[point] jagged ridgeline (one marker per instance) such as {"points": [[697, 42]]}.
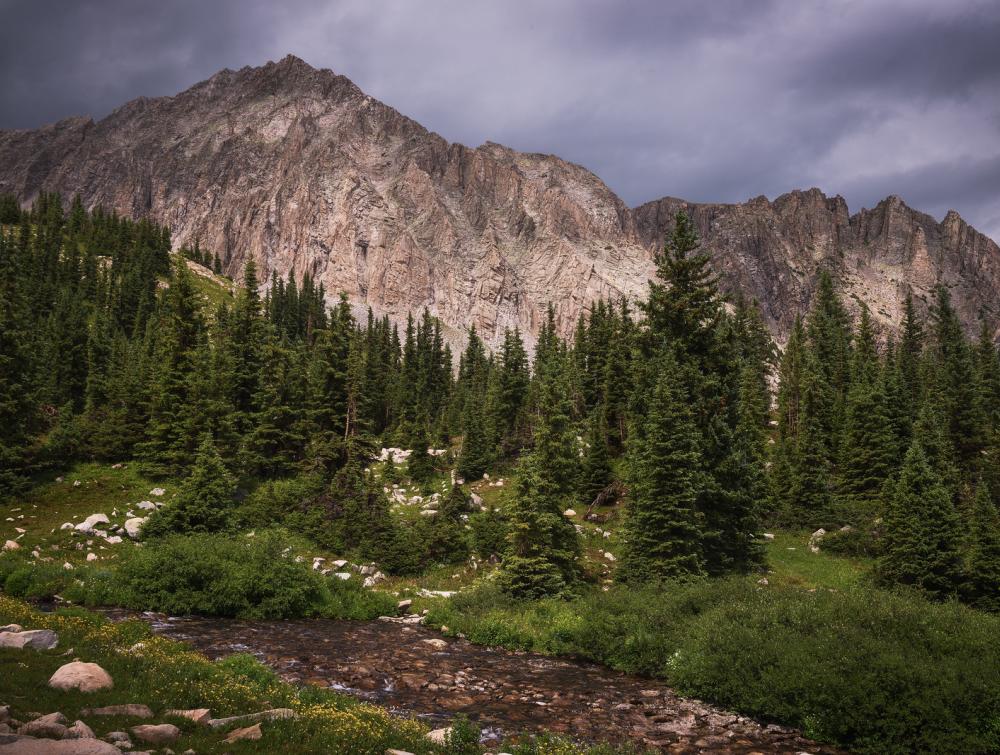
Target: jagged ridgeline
{"points": [[113, 348]]}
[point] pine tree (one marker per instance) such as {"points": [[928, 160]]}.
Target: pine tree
{"points": [[17, 388], [956, 383], [982, 587], [543, 545], [420, 465], [868, 446], [474, 458], [203, 503], [555, 438], [597, 471], [168, 449], [663, 473], [921, 537]]}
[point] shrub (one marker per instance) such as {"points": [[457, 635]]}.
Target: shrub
{"points": [[875, 671], [216, 575], [858, 542], [871, 670]]}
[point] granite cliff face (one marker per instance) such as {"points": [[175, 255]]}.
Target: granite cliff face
{"points": [[298, 169]]}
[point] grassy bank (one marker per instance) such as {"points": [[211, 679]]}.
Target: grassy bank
{"points": [[868, 670], [164, 674]]}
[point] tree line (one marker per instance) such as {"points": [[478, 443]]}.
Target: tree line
{"points": [[108, 351]]}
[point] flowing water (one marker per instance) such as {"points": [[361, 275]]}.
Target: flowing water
{"points": [[415, 671]]}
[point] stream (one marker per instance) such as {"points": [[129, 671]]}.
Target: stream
{"points": [[413, 670]]}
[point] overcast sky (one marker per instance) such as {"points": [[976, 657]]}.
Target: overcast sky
{"points": [[710, 101]]}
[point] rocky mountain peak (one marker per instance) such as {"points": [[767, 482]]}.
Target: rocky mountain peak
{"points": [[296, 168]]}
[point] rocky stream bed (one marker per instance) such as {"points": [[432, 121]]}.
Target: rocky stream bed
{"points": [[414, 670]]}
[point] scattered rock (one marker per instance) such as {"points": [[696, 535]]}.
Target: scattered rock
{"points": [[345, 575], [436, 643], [117, 736], [815, 538], [91, 556], [265, 715], [251, 733], [569, 512], [156, 734], [133, 526], [157, 492], [86, 677], [10, 628], [31, 746], [10, 545], [609, 556], [51, 726], [146, 505], [80, 730], [132, 710], [404, 605], [439, 736], [37, 639], [769, 536], [198, 715], [89, 524]]}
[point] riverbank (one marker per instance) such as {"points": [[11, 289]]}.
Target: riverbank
{"points": [[414, 670], [151, 671]]}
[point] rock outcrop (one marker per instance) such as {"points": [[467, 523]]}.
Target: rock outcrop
{"points": [[300, 170]]}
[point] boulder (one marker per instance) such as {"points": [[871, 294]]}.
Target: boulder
{"points": [[10, 545], [133, 526], [133, 710], [32, 746], [265, 715], [439, 736], [251, 733], [52, 726], [146, 505], [404, 605], [814, 539], [37, 639], [198, 715], [156, 734], [86, 677], [89, 524], [80, 730]]}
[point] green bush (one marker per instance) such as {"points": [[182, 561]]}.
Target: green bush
{"points": [[858, 542], [218, 575], [39, 581], [874, 671], [870, 670]]}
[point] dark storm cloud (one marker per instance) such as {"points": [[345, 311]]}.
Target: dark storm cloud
{"points": [[712, 101]]}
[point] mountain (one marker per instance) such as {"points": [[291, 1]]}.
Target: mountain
{"points": [[300, 170]]}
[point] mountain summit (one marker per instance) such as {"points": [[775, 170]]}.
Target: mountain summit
{"points": [[298, 169]]}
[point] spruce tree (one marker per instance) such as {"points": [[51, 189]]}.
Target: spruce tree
{"points": [[204, 502], [473, 461], [982, 585], [921, 536], [597, 471], [542, 544], [420, 465], [663, 474]]}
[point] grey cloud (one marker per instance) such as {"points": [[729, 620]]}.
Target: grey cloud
{"points": [[712, 101]]}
